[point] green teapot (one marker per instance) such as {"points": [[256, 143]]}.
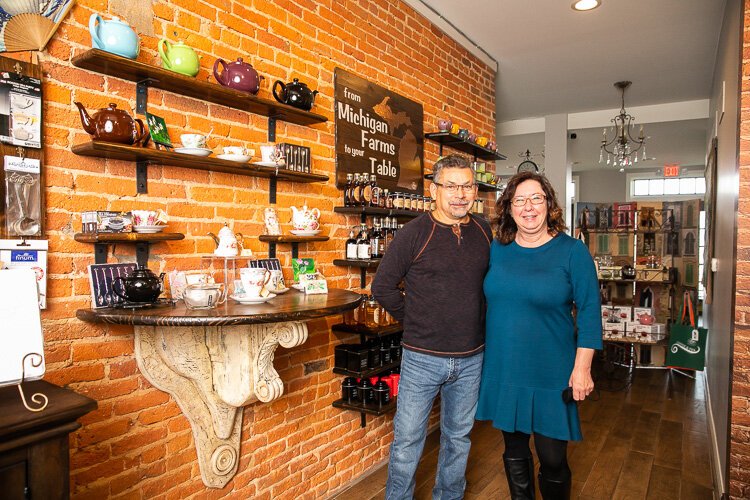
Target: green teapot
{"points": [[178, 57]]}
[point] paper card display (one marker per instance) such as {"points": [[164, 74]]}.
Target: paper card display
{"points": [[22, 326], [29, 254]]}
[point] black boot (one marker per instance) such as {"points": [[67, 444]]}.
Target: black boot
{"points": [[554, 490], [520, 474]]}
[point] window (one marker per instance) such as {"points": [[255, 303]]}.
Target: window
{"points": [[660, 187]]}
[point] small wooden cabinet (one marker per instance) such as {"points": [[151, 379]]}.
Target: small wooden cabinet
{"points": [[34, 460]]}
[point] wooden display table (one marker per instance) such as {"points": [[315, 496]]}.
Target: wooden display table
{"points": [[215, 361], [34, 456]]}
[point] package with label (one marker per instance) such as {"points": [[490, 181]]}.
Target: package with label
{"points": [[640, 311], [105, 221], [616, 314], [616, 330], [652, 328], [27, 254], [302, 266], [296, 158]]}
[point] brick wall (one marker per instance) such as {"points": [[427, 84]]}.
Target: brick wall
{"points": [[739, 460], [138, 443]]}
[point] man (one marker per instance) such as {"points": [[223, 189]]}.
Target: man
{"points": [[441, 258]]}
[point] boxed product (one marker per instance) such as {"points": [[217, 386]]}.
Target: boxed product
{"points": [[619, 313], [640, 311], [105, 221], [616, 330], [296, 158], [27, 254], [652, 328]]}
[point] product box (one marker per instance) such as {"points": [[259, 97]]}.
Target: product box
{"points": [[104, 221], [27, 254], [616, 330], [652, 328], [302, 266], [296, 158], [620, 313], [640, 311]]}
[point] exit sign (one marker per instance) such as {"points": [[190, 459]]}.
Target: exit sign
{"points": [[671, 170]]}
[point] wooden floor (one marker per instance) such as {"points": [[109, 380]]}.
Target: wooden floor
{"points": [[637, 443]]}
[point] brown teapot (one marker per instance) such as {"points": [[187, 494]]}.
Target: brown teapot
{"points": [[113, 125]]}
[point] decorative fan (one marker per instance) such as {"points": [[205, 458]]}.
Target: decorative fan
{"points": [[29, 24]]}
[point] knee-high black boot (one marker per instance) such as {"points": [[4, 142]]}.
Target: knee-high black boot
{"points": [[554, 490], [520, 474]]}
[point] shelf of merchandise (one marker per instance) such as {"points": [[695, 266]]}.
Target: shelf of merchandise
{"points": [[366, 409], [101, 242], [463, 145], [272, 240], [367, 373]]}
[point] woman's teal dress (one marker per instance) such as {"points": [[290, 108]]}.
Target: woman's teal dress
{"points": [[531, 343]]}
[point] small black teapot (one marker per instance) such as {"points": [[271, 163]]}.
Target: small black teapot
{"points": [[295, 94], [142, 285]]}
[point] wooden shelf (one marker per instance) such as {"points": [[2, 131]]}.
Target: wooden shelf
{"points": [[363, 263], [283, 238], [126, 237], [465, 146], [388, 212], [115, 151], [481, 186], [367, 373], [160, 78], [382, 331], [369, 409]]}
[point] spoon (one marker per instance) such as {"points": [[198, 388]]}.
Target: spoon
{"points": [[24, 225]]}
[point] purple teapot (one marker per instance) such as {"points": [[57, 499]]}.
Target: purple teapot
{"points": [[237, 75]]}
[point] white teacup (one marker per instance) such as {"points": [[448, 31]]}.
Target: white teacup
{"points": [[269, 154], [145, 217], [193, 140], [254, 279], [238, 151]]}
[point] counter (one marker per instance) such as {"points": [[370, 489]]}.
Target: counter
{"points": [[216, 361]]}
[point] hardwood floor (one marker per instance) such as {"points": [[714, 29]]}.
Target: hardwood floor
{"points": [[638, 444]]}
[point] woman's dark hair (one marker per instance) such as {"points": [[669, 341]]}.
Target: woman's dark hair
{"points": [[504, 225]]}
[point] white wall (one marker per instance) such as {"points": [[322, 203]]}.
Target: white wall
{"points": [[602, 186]]}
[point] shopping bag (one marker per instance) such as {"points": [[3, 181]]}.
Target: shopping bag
{"points": [[687, 342]]}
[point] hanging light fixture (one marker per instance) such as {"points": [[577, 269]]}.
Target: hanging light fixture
{"points": [[622, 149]]}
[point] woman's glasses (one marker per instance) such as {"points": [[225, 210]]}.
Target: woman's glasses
{"points": [[535, 199]]}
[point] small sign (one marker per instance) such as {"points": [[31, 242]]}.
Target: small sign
{"points": [[671, 170]]}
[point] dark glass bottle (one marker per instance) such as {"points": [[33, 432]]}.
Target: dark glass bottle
{"points": [[374, 191], [377, 245], [348, 190], [351, 246], [363, 243], [365, 191]]}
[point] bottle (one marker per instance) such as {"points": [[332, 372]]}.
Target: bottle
{"points": [[371, 314], [376, 240], [374, 191], [386, 233], [351, 246], [360, 311], [386, 200], [398, 200], [348, 190], [354, 192], [365, 191], [420, 203], [363, 243]]}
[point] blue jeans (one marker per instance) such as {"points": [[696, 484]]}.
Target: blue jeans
{"points": [[422, 377]]}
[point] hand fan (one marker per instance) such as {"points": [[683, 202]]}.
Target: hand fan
{"points": [[31, 29]]}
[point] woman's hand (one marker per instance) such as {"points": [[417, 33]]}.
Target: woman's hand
{"points": [[580, 380]]}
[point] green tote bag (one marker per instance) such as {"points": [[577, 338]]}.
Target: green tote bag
{"points": [[687, 343]]}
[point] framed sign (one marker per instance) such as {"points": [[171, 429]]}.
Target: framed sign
{"points": [[378, 132]]}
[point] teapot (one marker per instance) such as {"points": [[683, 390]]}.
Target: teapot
{"points": [[142, 285], [228, 244], [179, 57], [237, 75], [114, 36], [113, 125], [304, 219], [295, 94]]}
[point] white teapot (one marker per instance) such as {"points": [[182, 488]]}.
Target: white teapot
{"points": [[305, 219], [228, 244]]}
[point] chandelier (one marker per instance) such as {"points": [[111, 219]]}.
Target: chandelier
{"points": [[622, 149]]}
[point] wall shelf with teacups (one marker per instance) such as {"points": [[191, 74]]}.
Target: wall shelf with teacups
{"points": [[273, 239], [142, 241], [463, 145]]}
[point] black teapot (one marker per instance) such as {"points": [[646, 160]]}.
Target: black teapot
{"points": [[142, 285], [295, 94]]}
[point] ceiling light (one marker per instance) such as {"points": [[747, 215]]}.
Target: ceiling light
{"points": [[582, 5], [622, 149]]}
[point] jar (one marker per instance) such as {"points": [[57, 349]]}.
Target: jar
{"points": [[365, 392], [398, 200], [349, 391], [371, 313], [362, 311], [382, 394], [420, 203], [415, 201], [349, 318], [383, 318], [388, 199]]}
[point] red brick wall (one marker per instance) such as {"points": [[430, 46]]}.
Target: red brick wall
{"points": [[138, 443], [739, 460]]}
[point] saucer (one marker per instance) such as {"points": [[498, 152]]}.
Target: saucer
{"points": [[268, 164], [299, 232], [251, 300], [194, 151], [279, 291], [299, 287], [237, 158], [145, 229]]}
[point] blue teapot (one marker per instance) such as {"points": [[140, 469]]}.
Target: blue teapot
{"points": [[114, 36]]}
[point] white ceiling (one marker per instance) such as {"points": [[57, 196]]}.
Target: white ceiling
{"points": [[553, 60]]}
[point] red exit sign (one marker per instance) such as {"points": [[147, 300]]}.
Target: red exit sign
{"points": [[671, 170]]}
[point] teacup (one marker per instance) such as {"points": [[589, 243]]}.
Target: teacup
{"points": [[455, 128], [270, 154], [204, 296], [146, 217], [277, 280], [482, 140], [193, 140], [238, 151], [254, 279]]}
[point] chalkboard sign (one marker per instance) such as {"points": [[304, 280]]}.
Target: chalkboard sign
{"points": [[377, 132]]}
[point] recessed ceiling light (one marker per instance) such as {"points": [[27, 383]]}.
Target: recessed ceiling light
{"points": [[582, 5]]}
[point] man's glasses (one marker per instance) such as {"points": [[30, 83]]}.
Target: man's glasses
{"points": [[453, 188], [535, 199]]}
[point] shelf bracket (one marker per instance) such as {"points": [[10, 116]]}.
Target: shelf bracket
{"points": [[363, 419], [363, 277], [295, 250], [100, 253], [272, 250], [141, 253], [271, 129], [141, 95], [272, 190], [141, 177]]}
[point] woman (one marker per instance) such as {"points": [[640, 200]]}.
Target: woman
{"points": [[537, 274]]}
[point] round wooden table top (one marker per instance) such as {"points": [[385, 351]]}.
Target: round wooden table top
{"points": [[290, 306]]}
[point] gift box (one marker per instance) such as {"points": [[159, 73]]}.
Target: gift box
{"points": [[104, 221], [620, 313], [616, 330], [649, 329], [296, 158]]}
